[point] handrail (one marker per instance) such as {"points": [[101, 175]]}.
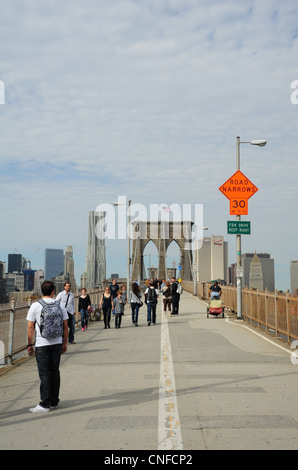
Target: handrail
{"points": [[13, 324], [273, 311]]}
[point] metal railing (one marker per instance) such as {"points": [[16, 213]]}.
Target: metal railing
{"points": [[13, 325], [273, 311]]}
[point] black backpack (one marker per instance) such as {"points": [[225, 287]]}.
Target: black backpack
{"points": [[151, 296]]}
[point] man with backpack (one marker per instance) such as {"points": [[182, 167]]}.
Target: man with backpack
{"points": [[48, 322], [151, 296], [176, 290]]}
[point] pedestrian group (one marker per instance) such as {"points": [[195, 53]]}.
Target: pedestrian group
{"points": [[51, 323]]}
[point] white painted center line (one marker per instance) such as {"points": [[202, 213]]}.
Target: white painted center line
{"points": [[169, 431]]}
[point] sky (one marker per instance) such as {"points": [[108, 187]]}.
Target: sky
{"points": [[145, 99]]}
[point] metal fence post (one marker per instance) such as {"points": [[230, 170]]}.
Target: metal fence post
{"points": [[11, 331], [266, 309], [275, 311], [288, 316]]}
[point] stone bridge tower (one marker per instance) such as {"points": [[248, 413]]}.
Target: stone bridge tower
{"points": [[162, 233]]}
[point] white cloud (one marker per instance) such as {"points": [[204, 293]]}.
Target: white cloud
{"points": [[146, 99]]}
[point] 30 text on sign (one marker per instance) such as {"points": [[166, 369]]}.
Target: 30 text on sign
{"points": [[238, 206]]}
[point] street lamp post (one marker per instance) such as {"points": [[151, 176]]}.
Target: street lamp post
{"points": [[128, 246], [260, 143], [196, 263]]}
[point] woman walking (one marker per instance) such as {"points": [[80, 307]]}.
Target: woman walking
{"points": [[167, 293], [135, 302], [84, 303], [106, 303], [118, 305]]}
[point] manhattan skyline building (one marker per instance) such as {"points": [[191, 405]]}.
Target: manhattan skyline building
{"points": [[69, 267], [213, 259], [54, 263], [258, 276], [96, 250], [14, 263], [294, 276]]}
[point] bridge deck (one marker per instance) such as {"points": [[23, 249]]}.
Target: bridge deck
{"points": [[187, 382]]}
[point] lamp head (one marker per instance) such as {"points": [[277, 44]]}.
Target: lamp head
{"points": [[260, 143]]}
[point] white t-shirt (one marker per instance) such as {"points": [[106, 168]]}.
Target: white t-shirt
{"points": [[34, 315]]}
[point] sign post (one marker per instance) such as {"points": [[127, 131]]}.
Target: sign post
{"points": [[239, 189]]}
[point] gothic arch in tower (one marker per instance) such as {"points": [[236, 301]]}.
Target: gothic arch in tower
{"points": [[162, 234]]}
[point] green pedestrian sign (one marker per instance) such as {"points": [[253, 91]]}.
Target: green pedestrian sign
{"points": [[238, 227]]}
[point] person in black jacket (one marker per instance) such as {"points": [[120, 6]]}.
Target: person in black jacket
{"points": [[215, 291], [84, 303], [175, 297]]}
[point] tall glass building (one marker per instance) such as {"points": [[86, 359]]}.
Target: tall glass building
{"points": [[96, 250], [14, 263], [54, 263]]}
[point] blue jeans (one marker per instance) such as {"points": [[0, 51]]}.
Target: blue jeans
{"points": [[214, 295], [118, 318], [84, 317], [135, 311], [48, 362], [72, 327], [175, 304], [151, 312], [106, 315]]}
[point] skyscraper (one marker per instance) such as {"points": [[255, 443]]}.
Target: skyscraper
{"points": [[54, 263], [294, 276], [69, 267], [256, 278], [14, 263], [213, 259], [96, 250], [263, 268]]}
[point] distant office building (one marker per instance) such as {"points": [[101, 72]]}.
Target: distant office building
{"points": [[256, 277], [3, 295], [213, 259], [2, 269], [14, 282], [260, 274], [294, 276], [29, 279], [60, 282], [54, 263], [15, 263], [38, 280], [96, 250], [84, 281], [69, 267]]}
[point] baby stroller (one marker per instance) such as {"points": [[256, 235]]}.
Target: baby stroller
{"points": [[216, 307]]}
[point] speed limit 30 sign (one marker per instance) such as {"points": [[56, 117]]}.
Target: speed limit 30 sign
{"points": [[238, 207]]}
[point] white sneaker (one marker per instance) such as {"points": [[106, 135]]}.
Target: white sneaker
{"points": [[39, 409]]}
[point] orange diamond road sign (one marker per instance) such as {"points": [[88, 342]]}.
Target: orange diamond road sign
{"points": [[238, 187]]}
